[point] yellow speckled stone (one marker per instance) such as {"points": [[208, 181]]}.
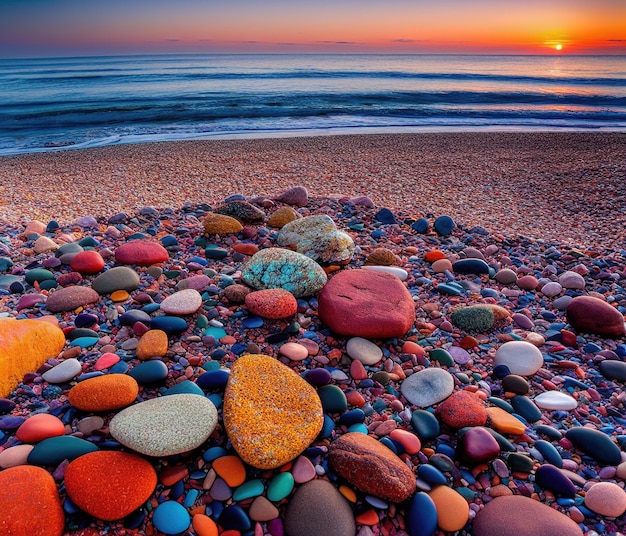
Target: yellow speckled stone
{"points": [[504, 422], [153, 343], [25, 345], [270, 413], [221, 224]]}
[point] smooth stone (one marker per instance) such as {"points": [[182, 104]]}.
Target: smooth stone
{"points": [[421, 226], [283, 268], [212, 379], [595, 444], [132, 316], [401, 274], [171, 517], [117, 278], [221, 224], [297, 196], [303, 470], [371, 467], [44, 244], [30, 300], [70, 298], [38, 275], [153, 343], [141, 253], [421, 515], [30, 503], [427, 387], [249, 490], [470, 266], [588, 314], [262, 510], [280, 486], [572, 280], [523, 321], [231, 469], [606, 498], [525, 407], [551, 289], [110, 485], [25, 345], [318, 377], [613, 370], [333, 399], [477, 446], [104, 393], [506, 276], [442, 357], [555, 400], [425, 424], [234, 517], [64, 371], [169, 324], [52, 451], [431, 474], [553, 479], [516, 514], [521, 357], [512, 383], [459, 355], [294, 351], [364, 351], [272, 303], [149, 372], [444, 225], [182, 302], [15, 455], [441, 265], [303, 520], [366, 304], [39, 427], [87, 262], [270, 413], [165, 426], [461, 409], [528, 282], [452, 508], [504, 422], [184, 387]]}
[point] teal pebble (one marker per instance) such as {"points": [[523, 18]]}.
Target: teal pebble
{"points": [[249, 489], [169, 324], [442, 356], [595, 444], [526, 408], [425, 424], [215, 332], [190, 498], [549, 452], [333, 399], [54, 450], [185, 387], [149, 372], [214, 453], [171, 517], [280, 486], [358, 427], [38, 275], [84, 342]]}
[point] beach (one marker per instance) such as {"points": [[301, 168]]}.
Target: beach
{"points": [[560, 186], [372, 335]]}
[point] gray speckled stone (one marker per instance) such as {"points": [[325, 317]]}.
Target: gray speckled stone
{"points": [[427, 387]]}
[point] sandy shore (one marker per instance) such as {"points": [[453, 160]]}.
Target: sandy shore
{"points": [[569, 187]]}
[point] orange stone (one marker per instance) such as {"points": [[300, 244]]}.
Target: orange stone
{"points": [[434, 255], [30, 503], [39, 427], [231, 469], [221, 224], [203, 525], [245, 248], [104, 393], [452, 508], [109, 484], [25, 345], [369, 517], [410, 347], [153, 343], [271, 414], [504, 422], [282, 216], [119, 296]]}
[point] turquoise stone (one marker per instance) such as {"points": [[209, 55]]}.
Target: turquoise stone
{"points": [[595, 444], [442, 356], [549, 452], [149, 372], [215, 332], [54, 450], [359, 427], [280, 486], [171, 517], [84, 342], [425, 424], [38, 275], [431, 474], [502, 404], [186, 387], [249, 489], [333, 399]]}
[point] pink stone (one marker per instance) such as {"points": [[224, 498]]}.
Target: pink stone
{"points": [[27, 301], [294, 351], [409, 441], [366, 304], [106, 361], [141, 252], [15, 455], [297, 196], [357, 370], [527, 282], [606, 499], [68, 298], [183, 302], [303, 470]]}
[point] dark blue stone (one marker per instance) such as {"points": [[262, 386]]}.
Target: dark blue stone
{"points": [[448, 289], [215, 253], [318, 377], [595, 444], [132, 316], [85, 320], [552, 478], [386, 217], [431, 474], [276, 338], [352, 417], [444, 225], [52, 226], [548, 431], [252, 322], [327, 427], [238, 348], [169, 324], [234, 517], [470, 266], [377, 234], [526, 408], [121, 367], [213, 379], [425, 424], [11, 422], [389, 444], [81, 332], [421, 515], [6, 405], [613, 370], [17, 287], [169, 240], [149, 372], [421, 226], [549, 452]]}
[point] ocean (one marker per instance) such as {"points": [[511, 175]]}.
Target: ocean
{"points": [[61, 103]]}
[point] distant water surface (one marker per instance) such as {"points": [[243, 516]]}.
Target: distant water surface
{"points": [[96, 101]]}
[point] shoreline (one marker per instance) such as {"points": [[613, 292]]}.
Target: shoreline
{"points": [[558, 186]]}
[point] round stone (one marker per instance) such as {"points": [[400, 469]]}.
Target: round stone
{"points": [[70, 298], [427, 387], [588, 314], [551, 289], [303, 520], [270, 413], [64, 371], [528, 282], [104, 393], [282, 216], [110, 485], [477, 446], [366, 304], [243, 211], [606, 499], [183, 302], [506, 276], [521, 357], [381, 257], [297, 196], [461, 409], [555, 400], [117, 278], [153, 343], [553, 479], [39, 427], [171, 517], [30, 503], [149, 372], [293, 351], [52, 451], [87, 262], [221, 224], [516, 514], [572, 280], [272, 303], [371, 467], [141, 253], [452, 508], [512, 383], [166, 425], [15, 455], [364, 351], [444, 225]]}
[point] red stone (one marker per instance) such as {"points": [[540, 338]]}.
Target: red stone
{"points": [[141, 252], [39, 427], [87, 262], [272, 303], [366, 303], [477, 446], [462, 409], [528, 282], [245, 248], [587, 314]]}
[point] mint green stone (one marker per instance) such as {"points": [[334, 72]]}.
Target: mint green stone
{"points": [[249, 489], [333, 399], [442, 356], [202, 322], [280, 486], [215, 332]]}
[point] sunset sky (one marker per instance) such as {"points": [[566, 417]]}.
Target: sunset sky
{"points": [[84, 27]]}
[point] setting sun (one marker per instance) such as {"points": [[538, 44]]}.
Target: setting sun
{"points": [[559, 46]]}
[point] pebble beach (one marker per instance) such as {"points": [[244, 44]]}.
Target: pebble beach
{"points": [[344, 335]]}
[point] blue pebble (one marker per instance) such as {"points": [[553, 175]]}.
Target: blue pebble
{"points": [[185, 387], [213, 379], [121, 367], [169, 324], [216, 399], [444, 225], [190, 498], [234, 517], [353, 416], [252, 322], [420, 226], [431, 474], [501, 371], [84, 342], [448, 289], [386, 217], [389, 444], [377, 234], [421, 515], [214, 453], [470, 266], [171, 517], [177, 490], [149, 372]]}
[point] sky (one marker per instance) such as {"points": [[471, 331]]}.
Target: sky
{"points": [[36, 28]]}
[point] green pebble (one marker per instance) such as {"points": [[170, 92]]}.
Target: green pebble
{"points": [[442, 356], [155, 271], [462, 377], [280, 486], [39, 275], [202, 322], [333, 399], [520, 462], [249, 489], [502, 404]]}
